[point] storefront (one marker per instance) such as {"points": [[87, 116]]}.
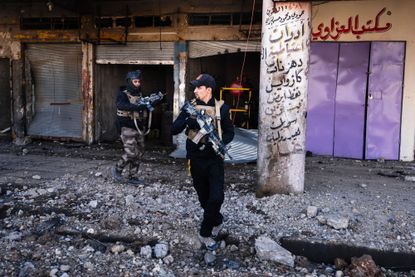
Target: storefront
{"points": [[360, 104]]}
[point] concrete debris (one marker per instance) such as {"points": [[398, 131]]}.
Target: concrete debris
{"points": [[312, 211], [269, 250], [337, 222], [161, 250], [97, 227], [340, 263], [209, 258], [364, 266], [146, 251], [118, 248], [410, 178]]}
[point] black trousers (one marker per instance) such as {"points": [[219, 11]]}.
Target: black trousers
{"points": [[208, 180]]}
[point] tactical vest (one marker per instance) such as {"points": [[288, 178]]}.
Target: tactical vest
{"points": [[132, 114], [212, 112]]}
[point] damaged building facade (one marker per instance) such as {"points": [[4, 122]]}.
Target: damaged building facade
{"points": [[61, 63], [67, 59]]}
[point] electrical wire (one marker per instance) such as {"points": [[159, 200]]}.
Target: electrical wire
{"points": [[245, 51]]}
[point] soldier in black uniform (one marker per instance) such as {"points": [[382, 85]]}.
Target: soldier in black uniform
{"points": [[206, 166], [131, 119]]}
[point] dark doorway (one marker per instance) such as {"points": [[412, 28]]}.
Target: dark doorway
{"points": [[109, 79]]}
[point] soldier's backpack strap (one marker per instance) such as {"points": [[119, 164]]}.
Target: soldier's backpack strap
{"points": [[218, 105]]}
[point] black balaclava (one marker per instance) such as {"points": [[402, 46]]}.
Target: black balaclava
{"points": [[136, 74]]}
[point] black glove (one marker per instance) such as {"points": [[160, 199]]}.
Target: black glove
{"points": [[141, 108], [183, 110], [155, 102], [192, 123]]}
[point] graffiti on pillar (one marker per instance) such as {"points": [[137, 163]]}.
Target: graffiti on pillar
{"points": [[353, 26], [284, 58]]}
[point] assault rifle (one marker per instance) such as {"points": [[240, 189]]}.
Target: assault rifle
{"points": [[150, 101], [207, 128]]}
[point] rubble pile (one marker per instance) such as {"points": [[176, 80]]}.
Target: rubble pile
{"points": [[83, 224]]}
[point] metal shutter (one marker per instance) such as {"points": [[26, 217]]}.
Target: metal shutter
{"points": [[136, 53], [199, 49], [56, 75]]}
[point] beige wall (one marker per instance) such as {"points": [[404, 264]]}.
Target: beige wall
{"points": [[402, 29]]}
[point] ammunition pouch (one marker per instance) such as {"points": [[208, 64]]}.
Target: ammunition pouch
{"points": [[191, 134]]}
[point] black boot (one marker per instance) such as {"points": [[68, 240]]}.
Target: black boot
{"points": [[116, 174], [135, 181]]}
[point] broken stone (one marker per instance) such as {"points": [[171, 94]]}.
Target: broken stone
{"points": [[118, 248], [339, 273], [168, 260], [13, 236], [53, 272], [322, 219], [27, 269], [410, 178], [193, 241], [233, 248], [89, 266], [337, 222], [145, 251], [161, 250], [36, 177], [340, 263], [93, 203], [112, 222], [64, 268], [269, 250], [231, 264], [363, 266], [209, 258], [129, 199], [312, 211], [326, 210]]}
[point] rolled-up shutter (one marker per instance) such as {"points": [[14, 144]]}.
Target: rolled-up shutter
{"points": [[56, 75], [136, 53], [199, 49]]}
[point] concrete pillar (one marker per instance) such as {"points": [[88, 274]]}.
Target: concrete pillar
{"points": [[283, 97], [180, 62], [87, 93], [18, 102]]}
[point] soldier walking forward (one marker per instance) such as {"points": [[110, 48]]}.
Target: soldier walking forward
{"points": [[206, 167]]}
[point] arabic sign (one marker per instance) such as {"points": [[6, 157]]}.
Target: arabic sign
{"points": [[353, 26], [284, 70]]}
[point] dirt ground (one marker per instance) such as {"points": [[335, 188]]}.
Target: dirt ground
{"points": [[62, 215]]}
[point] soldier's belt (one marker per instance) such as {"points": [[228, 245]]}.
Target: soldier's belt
{"points": [[132, 115]]}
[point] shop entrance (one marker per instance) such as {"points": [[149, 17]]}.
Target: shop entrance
{"points": [[109, 78], [355, 99]]}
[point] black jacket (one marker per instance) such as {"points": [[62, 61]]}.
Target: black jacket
{"points": [[193, 150], [124, 104]]}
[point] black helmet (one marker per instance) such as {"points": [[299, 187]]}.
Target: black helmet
{"points": [[136, 74]]}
